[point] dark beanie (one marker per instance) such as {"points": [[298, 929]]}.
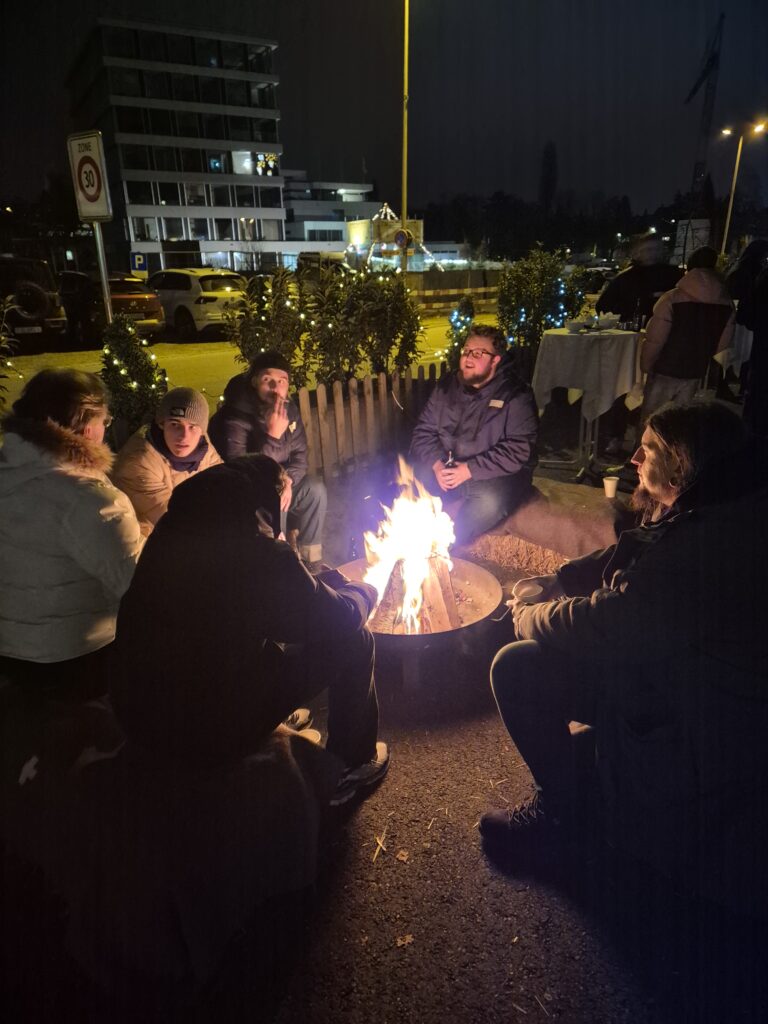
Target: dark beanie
{"points": [[269, 360], [704, 257]]}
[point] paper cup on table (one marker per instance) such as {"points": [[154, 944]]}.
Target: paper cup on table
{"points": [[528, 592], [610, 483]]}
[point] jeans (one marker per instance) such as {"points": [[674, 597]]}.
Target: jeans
{"points": [[484, 503], [309, 504], [302, 671], [538, 692], [659, 390]]}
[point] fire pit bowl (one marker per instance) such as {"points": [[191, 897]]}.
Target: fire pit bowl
{"points": [[478, 594]]}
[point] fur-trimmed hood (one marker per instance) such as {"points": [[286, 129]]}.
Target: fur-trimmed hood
{"points": [[32, 447]]}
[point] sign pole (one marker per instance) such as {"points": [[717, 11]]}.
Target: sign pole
{"points": [[102, 258], [89, 177]]}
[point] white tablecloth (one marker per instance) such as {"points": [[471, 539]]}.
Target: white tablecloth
{"points": [[741, 348], [601, 364]]}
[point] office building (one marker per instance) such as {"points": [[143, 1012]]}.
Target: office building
{"points": [[190, 124]]}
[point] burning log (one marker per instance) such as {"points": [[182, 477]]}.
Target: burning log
{"points": [[438, 612]]}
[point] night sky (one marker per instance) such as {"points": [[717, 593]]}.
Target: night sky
{"points": [[491, 82]]}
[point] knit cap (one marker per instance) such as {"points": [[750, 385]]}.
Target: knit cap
{"points": [[269, 360], [184, 404]]}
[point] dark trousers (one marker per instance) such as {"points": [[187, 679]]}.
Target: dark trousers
{"points": [[309, 505], [484, 503], [82, 678], [538, 692], [345, 667]]}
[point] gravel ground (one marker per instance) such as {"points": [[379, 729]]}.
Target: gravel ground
{"points": [[429, 929]]}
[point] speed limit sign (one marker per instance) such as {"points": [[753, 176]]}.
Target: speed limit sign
{"points": [[89, 176]]}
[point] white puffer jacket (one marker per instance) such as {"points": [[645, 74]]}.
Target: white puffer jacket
{"points": [[69, 542]]}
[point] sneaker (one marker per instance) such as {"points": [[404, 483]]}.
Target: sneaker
{"points": [[363, 777], [313, 735], [299, 719]]}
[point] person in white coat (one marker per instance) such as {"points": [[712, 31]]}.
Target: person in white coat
{"points": [[69, 539]]}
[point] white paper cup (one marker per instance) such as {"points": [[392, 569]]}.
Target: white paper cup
{"points": [[528, 592], [610, 483]]}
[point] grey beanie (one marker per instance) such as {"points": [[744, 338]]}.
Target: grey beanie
{"points": [[184, 404]]}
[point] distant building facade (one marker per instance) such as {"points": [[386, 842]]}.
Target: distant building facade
{"points": [[317, 211], [190, 124], [191, 133]]}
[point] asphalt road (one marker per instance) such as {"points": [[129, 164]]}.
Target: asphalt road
{"points": [[206, 365]]}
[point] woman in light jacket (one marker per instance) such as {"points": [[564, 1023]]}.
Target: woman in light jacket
{"points": [[69, 540]]}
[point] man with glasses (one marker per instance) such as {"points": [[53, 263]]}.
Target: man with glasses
{"points": [[476, 438]]}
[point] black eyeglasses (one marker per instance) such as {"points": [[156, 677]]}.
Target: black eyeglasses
{"points": [[476, 353]]}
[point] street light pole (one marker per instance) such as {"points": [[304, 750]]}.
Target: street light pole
{"points": [[757, 129], [733, 193], [404, 194]]}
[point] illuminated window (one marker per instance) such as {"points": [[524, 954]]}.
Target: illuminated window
{"points": [[242, 161]]}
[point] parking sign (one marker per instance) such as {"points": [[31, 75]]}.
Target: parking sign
{"points": [[89, 176], [139, 264]]}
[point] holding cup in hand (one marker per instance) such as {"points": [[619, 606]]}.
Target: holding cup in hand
{"points": [[528, 592]]}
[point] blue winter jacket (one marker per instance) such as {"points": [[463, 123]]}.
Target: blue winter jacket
{"points": [[493, 428]]}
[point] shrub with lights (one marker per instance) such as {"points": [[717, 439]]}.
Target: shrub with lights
{"points": [[331, 327], [335, 343], [272, 315], [458, 329], [534, 296], [136, 383], [386, 319]]}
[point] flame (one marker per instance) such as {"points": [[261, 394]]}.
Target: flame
{"points": [[415, 529]]}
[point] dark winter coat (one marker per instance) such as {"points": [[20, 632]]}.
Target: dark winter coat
{"points": [[742, 281], [493, 428], [213, 594], [690, 324], [672, 620], [238, 428], [635, 290]]}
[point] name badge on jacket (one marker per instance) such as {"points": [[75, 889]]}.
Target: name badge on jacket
{"points": [[292, 426], [496, 403]]}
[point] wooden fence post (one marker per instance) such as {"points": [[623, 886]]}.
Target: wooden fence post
{"points": [[325, 429], [370, 419], [383, 410], [398, 414], [341, 426], [408, 393], [358, 446], [305, 410]]}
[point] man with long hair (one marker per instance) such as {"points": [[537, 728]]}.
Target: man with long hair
{"points": [[659, 643]]}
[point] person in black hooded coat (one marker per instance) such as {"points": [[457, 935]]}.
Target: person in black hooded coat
{"points": [[223, 632], [257, 415]]}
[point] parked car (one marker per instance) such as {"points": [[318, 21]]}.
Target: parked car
{"points": [[84, 304], [195, 299], [35, 319]]}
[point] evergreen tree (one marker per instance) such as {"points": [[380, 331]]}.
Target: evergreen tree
{"points": [[460, 321], [273, 315], [136, 383], [533, 297]]}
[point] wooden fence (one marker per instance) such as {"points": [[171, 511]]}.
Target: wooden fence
{"points": [[351, 424]]}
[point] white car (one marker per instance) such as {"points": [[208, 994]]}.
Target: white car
{"points": [[195, 299]]}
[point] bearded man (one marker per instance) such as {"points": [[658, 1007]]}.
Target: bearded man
{"points": [[659, 643], [476, 438]]}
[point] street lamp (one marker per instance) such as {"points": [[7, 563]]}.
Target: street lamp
{"points": [[755, 129]]}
